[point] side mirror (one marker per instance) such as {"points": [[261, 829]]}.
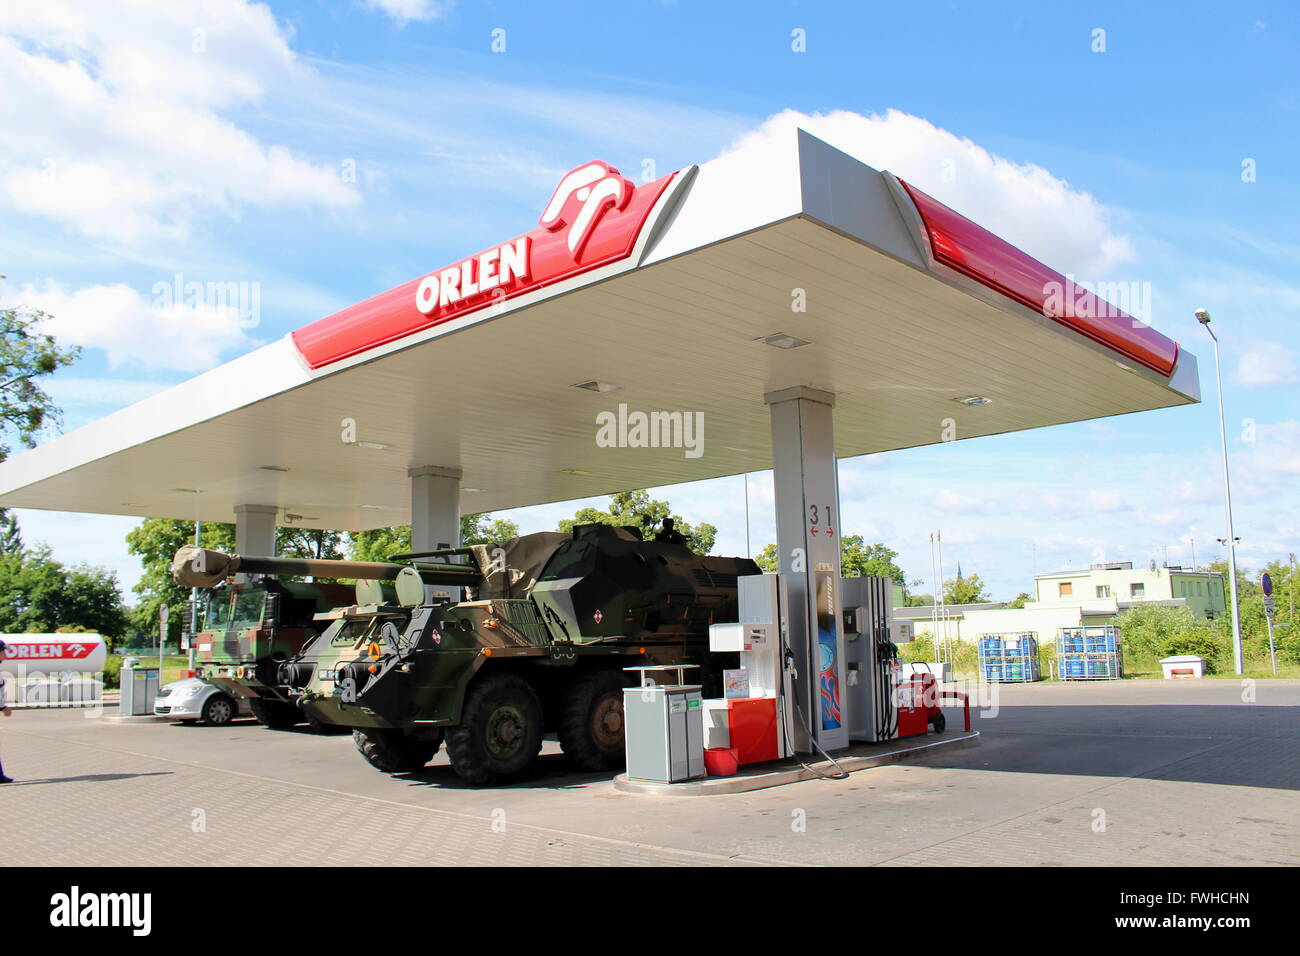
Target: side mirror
{"points": [[271, 610]]}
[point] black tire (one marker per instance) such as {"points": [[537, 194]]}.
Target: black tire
{"points": [[219, 710], [391, 750], [500, 730], [591, 721], [274, 713], [324, 728], [939, 723]]}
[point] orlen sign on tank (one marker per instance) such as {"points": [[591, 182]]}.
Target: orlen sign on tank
{"points": [[54, 654]]}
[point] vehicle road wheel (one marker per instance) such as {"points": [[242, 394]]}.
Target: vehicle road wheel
{"points": [[319, 726], [939, 723], [275, 714], [500, 730], [591, 722], [218, 711], [391, 750]]}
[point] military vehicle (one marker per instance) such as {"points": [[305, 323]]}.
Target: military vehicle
{"points": [[251, 627], [540, 645]]}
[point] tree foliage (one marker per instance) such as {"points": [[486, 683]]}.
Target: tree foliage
{"points": [[857, 559], [155, 541], [964, 590], [637, 509], [378, 543], [26, 355], [38, 594]]}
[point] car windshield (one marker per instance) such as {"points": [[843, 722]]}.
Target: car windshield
{"points": [[216, 612], [248, 608]]}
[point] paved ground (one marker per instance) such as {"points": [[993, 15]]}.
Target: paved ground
{"points": [[1179, 773]]}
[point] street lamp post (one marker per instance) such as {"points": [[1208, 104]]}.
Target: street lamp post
{"points": [[1203, 317]]}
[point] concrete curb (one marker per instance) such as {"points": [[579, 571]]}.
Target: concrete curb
{"points": [[780, 776], [134, 718]]}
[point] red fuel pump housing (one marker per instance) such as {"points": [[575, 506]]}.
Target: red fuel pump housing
{"points": [[918, 705]]}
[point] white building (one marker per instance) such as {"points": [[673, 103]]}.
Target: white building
{"points": [[1072, 599]]}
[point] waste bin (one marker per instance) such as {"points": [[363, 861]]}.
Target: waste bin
{"points": [[664, 729], [139, 688]]}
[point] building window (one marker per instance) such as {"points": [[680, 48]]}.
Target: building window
{"points": [[1137, 590], [1103, 590], [1064, 589]]}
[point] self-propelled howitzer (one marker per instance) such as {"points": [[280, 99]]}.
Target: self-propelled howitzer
{"points": [[539, 645]]}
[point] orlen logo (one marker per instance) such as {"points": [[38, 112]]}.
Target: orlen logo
{"points": [[48, 651], [579, 203], [581, 199]]}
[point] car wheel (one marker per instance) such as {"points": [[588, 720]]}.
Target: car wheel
{"points": [[218, 711]]}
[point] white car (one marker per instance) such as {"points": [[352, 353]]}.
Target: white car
{"points": [[194, 699]]}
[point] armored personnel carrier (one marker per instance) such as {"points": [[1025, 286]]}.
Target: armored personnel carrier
{"points": [[537, 644]]}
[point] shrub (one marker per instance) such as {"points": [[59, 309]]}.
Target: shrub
{"points": [[1200, 642]]}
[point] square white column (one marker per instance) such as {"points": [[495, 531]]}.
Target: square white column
{"points": [[808, 547]]}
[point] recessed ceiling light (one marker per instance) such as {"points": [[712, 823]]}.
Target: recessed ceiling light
{"points": [[473, 491], [973, 400], [782, 340], [273, 468], [377, 446], [594, 386], [371, 507], [132, 504], [573, 471]]}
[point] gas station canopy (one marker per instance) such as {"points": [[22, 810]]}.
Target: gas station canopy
{"points": [[700, 292]]}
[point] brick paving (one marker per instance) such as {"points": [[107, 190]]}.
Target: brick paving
{"points": [[1180, 773]]}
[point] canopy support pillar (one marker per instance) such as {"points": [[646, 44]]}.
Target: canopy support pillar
{"points": [[808, 529]]}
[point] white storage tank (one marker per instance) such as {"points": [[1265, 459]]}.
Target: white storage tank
{"points": [[53, 654]]}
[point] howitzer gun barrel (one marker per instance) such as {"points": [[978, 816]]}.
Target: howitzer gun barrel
{"points": [[199, 567]]}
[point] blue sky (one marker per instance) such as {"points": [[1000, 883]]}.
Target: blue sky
{"points": [[331, 150]]}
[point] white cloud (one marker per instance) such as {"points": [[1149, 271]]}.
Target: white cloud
{"points": [[1267, 363], [404, 11], [1023, 203], [947, 500], [123, 135], [1275, 452], [131, 330]]}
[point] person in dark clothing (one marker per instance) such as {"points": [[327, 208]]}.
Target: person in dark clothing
{"points": [[4, 649]]}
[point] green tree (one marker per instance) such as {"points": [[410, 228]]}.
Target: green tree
{"points": [[857, 560], [637, 509], [964, 590], [870, 560], [316, 543], [155, 541], [377, 544], [1019, 600], [11, 539], [26, 355], [38, 594]]}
